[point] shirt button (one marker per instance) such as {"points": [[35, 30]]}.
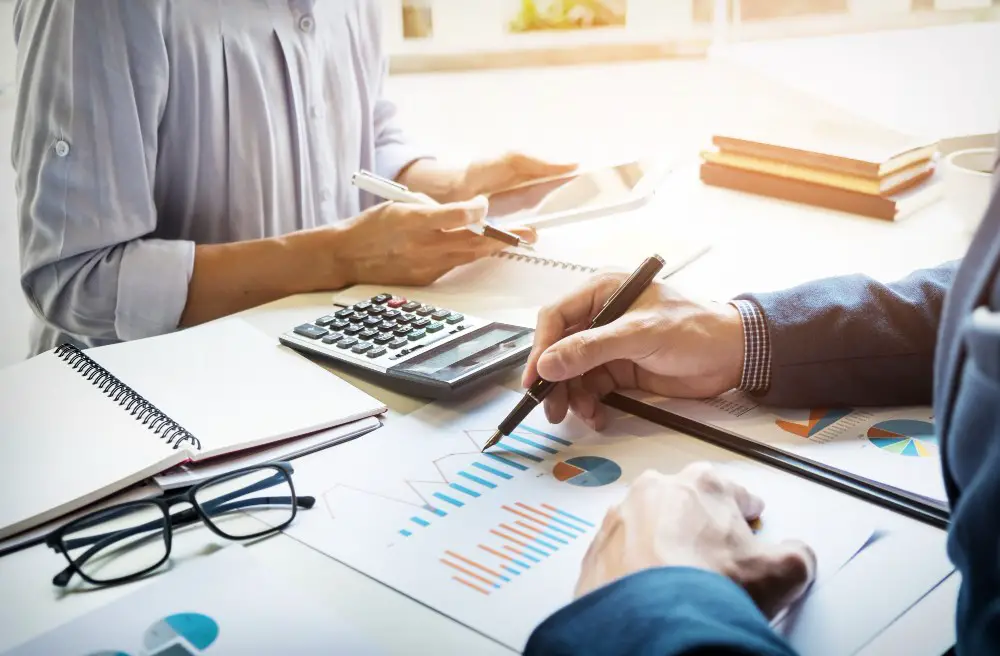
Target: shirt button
{"points": [[306, 23], [316, 111], [62, 148]]}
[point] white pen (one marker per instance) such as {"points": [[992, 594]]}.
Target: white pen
{"points": [[393, 191]]}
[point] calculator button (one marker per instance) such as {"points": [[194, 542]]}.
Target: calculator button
{"points": [[342, 314], [397, 343], [440, 314], [332, 338], [310, 331], [367, 334], [358, 316], [425, 310], [396, 302], [325, 321], [402, 331], [409, 306], [339, 324], [353, 329], [376, 352], [361, 348], [415, 335], [381, 298], [362, 306], [372, 321], [391, 314], [455, 318], [434, 327], [383, 338], [405, 318], [420, 323], [346, 343], [387, 325], [376, 310]]}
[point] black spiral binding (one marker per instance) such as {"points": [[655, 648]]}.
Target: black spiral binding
{"points": [[544, 261], [126, 397]]}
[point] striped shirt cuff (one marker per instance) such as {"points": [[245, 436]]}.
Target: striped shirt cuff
{"points": [[756, 348]]}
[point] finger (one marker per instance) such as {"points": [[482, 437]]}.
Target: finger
{"points": [[600, 382], [443, 217], [526, 233], [577, 354], [533, 167], [577, 309], [781, 575], [710, 480], [582, 402], [556, 404]]}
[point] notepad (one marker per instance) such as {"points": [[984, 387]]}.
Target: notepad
{"points": [[79, 425]]}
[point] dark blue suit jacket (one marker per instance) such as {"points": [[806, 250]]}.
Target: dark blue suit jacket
{"points": [[847, 341]]}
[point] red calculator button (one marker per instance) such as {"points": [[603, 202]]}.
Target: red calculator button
{"points": [[396, 302]]}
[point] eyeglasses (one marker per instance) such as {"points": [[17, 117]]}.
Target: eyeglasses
{"points": [[127, 541]]}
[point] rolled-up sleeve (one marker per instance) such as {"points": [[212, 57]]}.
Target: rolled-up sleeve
{"points": [[93, 84], [394, 150]]}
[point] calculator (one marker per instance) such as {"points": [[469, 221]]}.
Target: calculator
{"points": [[412, 347]]}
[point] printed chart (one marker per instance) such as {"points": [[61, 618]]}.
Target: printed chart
{"points": [[587, 471], [905, 437], [818, 420]]}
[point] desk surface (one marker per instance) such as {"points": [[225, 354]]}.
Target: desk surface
{"points": [[759, 244]]}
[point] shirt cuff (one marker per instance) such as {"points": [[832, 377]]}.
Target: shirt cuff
{"points": [[152, 287], [756, 375], [392, 158]]}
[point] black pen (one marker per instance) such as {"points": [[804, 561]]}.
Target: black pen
{"points": [[616, 306]]}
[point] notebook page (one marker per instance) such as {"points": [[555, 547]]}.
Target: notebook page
{"points": [[233, 387], [65, 444]]}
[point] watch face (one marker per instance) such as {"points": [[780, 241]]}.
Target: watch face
{"points": [[475, 351]]}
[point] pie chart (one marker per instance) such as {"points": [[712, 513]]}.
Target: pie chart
{"points": [[587, 471], [904, 437], [198, 630]]}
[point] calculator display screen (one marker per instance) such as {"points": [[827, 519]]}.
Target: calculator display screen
{"points": [[474, 351]]}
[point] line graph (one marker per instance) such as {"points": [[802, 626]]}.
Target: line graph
{"points": [[461, 477]]}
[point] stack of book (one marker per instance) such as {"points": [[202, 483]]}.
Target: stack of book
{"points": [[858, 169]]}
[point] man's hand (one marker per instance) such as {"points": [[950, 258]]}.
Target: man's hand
{"points": [[697, 519], [665, 344], [403, 244], [448, 184]]}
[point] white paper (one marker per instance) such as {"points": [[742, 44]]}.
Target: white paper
{"points": [[417, 506], [224, 604], [894, 447], [233, 387], [189, 474]]}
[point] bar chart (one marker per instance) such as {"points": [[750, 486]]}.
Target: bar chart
{"points": [[466, 477], [530, 535]]}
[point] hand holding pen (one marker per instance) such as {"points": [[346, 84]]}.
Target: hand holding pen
{"points": [[393, 191], [615, 304]]}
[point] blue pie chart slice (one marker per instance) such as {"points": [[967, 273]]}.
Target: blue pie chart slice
{"points": [[587, 471], [199, 630]]}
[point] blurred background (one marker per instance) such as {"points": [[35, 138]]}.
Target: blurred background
{"points": [[593, 80]]}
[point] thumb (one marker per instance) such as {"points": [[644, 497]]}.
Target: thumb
{"points": [[785, 572], [579, 353]]}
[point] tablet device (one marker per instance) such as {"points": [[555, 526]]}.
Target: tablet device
{"points": [[583, 194]]}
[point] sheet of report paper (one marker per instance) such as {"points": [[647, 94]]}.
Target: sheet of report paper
{"points": [[893, 448], [496, 540]]}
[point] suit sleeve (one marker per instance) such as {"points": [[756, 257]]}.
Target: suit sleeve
{"points": [[661, 612], [853, 340]]}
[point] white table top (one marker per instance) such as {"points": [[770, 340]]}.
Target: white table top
{"points": [[759, 244]]}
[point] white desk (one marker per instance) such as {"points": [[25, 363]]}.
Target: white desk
{"points": [[743, 225]]}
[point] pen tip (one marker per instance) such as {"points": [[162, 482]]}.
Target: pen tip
{"points": [[493, 440]]}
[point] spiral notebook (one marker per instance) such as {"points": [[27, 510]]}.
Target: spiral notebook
{"points": [[80, 425]]}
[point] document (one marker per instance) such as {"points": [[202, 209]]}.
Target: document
{"points": [[226, 604], [891, 448], [496, 540]]}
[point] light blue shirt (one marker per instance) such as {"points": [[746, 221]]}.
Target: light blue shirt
{"points": [[144, 127]]}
